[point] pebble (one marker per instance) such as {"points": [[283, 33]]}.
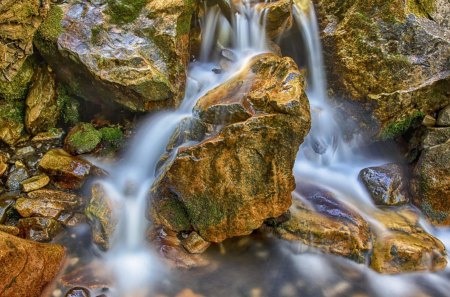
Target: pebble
{"points": [[35, 183]]}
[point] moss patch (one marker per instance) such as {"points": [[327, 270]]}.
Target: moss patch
{"points": [[124, 11], [47, 35], [112, 136], [17, 88], [85, 139], [399, 128], [69, 106]]}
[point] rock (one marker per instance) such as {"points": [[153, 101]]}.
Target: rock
{"points": [[27, 267], [385, 184], [3, 164], [17, 175], [404, 246], [278, 16], [195, 244], [42, 109], [83, 138], [19, 21], [5, 205], [11, 121], [398, 70], [265, 117], [49, 136], [77, 292], [13, 230], [24, 152], [428, 121], [431, 183], [443, 118], [130, 53], [39, 229], [188, 293], [435, 136], [35, 183], [321, 221], [66, 171], [100, 215]]}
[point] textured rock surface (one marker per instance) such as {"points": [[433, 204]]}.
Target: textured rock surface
{"points": [[66, 171], [83, 138], [431, 183], [11, 121], [404, 246], [321, 221], [40, 229], [444, 117], [19, 20], [243, 174], [26, 267], [392, 57], [42, 110], [134, 54], [385, 184]]}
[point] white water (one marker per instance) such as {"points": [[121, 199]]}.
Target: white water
{"points": [[324, 158]]}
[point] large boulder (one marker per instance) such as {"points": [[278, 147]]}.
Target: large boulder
{"points": [[26, 267], [392, 57], [242, 173], [19, 20], [131, 53]]}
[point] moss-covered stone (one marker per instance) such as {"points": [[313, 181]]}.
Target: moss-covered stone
{"points": [[49, 31], [83, 138], [69, 106], [124, 11], [399, 128], [17, 88], [11, 121], [112, 136]]}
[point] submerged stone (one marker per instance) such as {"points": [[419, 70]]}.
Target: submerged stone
{"points": [[26, 267], [385, 184], [78, 292], [242, 174]]}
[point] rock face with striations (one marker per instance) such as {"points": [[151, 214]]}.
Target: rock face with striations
{"points": [[241, 174], [390, 56], [128, 53]]}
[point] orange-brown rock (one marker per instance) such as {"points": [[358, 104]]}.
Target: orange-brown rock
{"points": [[241, 175], [26, 266]]}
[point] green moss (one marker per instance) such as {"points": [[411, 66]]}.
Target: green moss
{"points": [[17, 88], [205, 213], [47, 35], [13, 111], [85, 139], [124, 11], [399, 128], [173, 211], [95, 34], [421, 8], [69, 106], [432, 213], [112, 136]]}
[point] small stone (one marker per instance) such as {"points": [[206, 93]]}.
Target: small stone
{"points": [[48, 136], [75, 220], [78, 292], [195, 244], [18, 174], [3, 168], [35, 183], [188, 293], [385, 184], [228, 54], [5, 205], [82, 139], [39, 229], [24, 151], [66, 171], [429, 121], [443, 118]]}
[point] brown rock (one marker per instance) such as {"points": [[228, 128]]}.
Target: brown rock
{"points": [[39, 229], [13, 230], [77, 292], [35, 183], [253, 155], [66, 171], [27, 267], [405, 246], [42, 110], [195, 244]]}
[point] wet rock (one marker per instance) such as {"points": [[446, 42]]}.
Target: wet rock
{"points": [[27, 267], [435, 136], [42, 109], [83, 138], [66, 171], [13, 230], [19, 21], [3, 164], [385, 184], [428, 121], [11, 121], [189, 129], [195, 244], [278, 16], [398, 70], [254, 154], [77, 292], [321, 221], [53, 135], [404, 246], [5, 205], [100, 215], [443, 118], [39, 229], [130, 53], [24, 152], [35, 183], [431, 183], [17, 175]]}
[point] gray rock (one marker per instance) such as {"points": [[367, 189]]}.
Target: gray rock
{"points": [[18, 174], [444, 117]]}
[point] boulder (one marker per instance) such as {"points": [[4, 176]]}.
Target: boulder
{"points": [[385, 184], [19, 20], [443, 118], [390, 57], [319, 220], [131, 54], [404, 246], [65, 170], [26, 267], [431, 183], [242, 173], [42, 109]]}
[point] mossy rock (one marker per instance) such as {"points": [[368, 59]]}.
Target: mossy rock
{"points": [[83, 138], [12, 115], [17, 88]]}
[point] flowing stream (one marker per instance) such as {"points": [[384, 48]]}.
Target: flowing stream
{"points": [[325, 158]]}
